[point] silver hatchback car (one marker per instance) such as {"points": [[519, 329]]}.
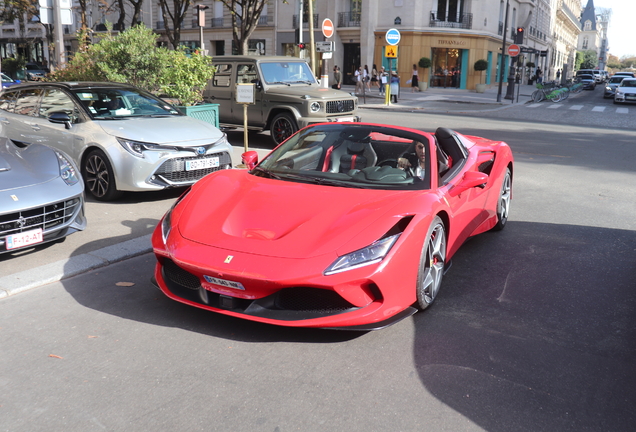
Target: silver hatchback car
{"points": [[122, 138]]}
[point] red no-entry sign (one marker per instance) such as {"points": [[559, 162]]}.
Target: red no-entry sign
{"points": [[327, 28], [514, 50]]}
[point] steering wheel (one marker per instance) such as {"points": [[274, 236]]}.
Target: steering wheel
{"points": [[388, 162]]}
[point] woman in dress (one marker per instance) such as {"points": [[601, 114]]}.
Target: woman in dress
{"points": [[414, 80], [367, 78], [374, 77]]}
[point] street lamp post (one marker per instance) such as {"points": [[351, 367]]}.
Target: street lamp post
{"points": [[201, 22], [503, 53]]}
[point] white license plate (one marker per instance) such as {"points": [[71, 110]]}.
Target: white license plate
{"points": [[224, 283], [345, 119], [197, 164], [630, 97], [24, 239]]}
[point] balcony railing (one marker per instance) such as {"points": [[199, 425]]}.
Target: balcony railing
{"points": [[349, 19], [306, 20], [463, 21], [217, 22], [265, 20]]}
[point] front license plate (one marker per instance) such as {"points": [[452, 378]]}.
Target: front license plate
{"points": [[24, 239], [630, 97], [345, 119], [224, 283], [197, 164]]}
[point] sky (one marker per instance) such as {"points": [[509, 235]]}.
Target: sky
{"points": [[621, 28]]}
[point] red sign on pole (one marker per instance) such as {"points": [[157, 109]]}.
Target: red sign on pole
{"points": [[327, 28], [514, 50]]}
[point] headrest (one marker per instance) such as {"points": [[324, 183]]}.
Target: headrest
{"points": [[355, 148]]}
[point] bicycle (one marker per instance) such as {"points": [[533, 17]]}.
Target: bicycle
{"points": [[542, 91]]}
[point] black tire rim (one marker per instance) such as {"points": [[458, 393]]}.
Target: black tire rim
{"points": [[282, 129], [97, 175]]}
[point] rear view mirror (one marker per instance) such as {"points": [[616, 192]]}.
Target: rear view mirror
{"points": [[250, 159]]}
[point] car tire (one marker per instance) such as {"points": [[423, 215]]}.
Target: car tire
{"points": [[503, 202], [99, 177], [432, 262], [283, 126]]}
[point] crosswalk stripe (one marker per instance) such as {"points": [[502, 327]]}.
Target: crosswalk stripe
{"points": [[622, 110], [576, 107], [598, 109], [555, 106], [534, 105]]}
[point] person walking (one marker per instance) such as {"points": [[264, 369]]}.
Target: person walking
{"points": [[374, 77], [358, 79], [558, 74], [539, 75], [414, 80], [337, 78], [384, 79], [366, 78]]}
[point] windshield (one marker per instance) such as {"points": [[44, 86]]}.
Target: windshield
{"points": [[350, 155], [628, 83], [287, 72], [616, 80], [6, 78], [109, 103]]}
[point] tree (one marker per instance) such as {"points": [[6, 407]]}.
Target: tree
{"points": [[173, 19], [590, 59], [480, 66], [133, 57], [245, 15]]}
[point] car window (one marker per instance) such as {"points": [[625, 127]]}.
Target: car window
{"points": [[246, 73], [628, 83], [287, 72], [116, 103], [616, 80], [55, 100], [27, 102], [7, 99], [223, 75]]}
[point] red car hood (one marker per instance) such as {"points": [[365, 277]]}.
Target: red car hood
{"points": [[240, 212]]}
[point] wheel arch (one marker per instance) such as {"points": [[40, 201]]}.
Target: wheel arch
{"points": [[275, 111]]}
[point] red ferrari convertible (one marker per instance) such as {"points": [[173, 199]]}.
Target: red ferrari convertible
{"points": [[344, 225]]}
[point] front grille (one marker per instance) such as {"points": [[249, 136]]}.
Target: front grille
{"points": [[174, 170], [311, 300], [340, 106], [180, 277], [47, 218]]}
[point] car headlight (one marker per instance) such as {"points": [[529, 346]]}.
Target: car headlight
{"points": [[315, 107], [136, 148], [166, 222], [371, 254], [67, 170]]}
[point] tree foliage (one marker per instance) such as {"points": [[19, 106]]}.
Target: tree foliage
{"points": [[133, 57], [174, 13], [589, 59]]}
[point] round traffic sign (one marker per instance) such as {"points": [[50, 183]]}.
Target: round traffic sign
{"points": [[327, 28], [514, 50], [392, 36]]}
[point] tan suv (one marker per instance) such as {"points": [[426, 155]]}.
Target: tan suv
{"points": [[287, 95]]}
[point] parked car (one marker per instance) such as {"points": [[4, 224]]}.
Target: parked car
{"points": [[596, 74], [41, 196], [35, 72], [7, 81], [627, 74], [610, 87], [626, 91], [345, 225], [123, 139], [589, 83], [287, 96]]}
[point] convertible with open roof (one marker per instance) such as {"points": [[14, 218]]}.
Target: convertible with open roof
{"points": [[344, 225]]}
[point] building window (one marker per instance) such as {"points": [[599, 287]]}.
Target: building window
{"points": [[586, 41], [587, 25]]}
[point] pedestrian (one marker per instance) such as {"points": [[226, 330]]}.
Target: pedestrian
{"points": [[366, 78], [558, 74], [374, 76], [395, 86], [384, 79], [337, 78], [539, 75], [358, 79], [414, 80]]}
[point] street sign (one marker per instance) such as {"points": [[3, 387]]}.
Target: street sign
{"points": [[327, 28], [514, 50], [245, 93], [324, 47], [529, 50], [392, 36], [390, 51]]}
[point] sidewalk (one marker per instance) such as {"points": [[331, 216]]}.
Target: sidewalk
{"points": [[444, 99]]}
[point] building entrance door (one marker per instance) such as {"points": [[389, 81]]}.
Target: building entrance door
{"points": [[351, 62]]}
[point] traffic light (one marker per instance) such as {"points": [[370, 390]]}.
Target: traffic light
{"points": [[302, 45], [519, 35]]}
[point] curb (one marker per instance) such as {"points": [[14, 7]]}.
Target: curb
{"points": [[66, 268]]}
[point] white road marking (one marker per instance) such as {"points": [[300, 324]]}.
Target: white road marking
{"points": [[622, 110], [534, 105], [598, 108], [555, 106], [576, 107]]}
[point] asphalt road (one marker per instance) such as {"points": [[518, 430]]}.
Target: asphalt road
{"points": [[533, 329]]}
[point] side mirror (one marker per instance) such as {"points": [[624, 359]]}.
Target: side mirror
{"points": [[18, 81], [470, 180], [258, 84], [250, 159], [60, 117]]}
